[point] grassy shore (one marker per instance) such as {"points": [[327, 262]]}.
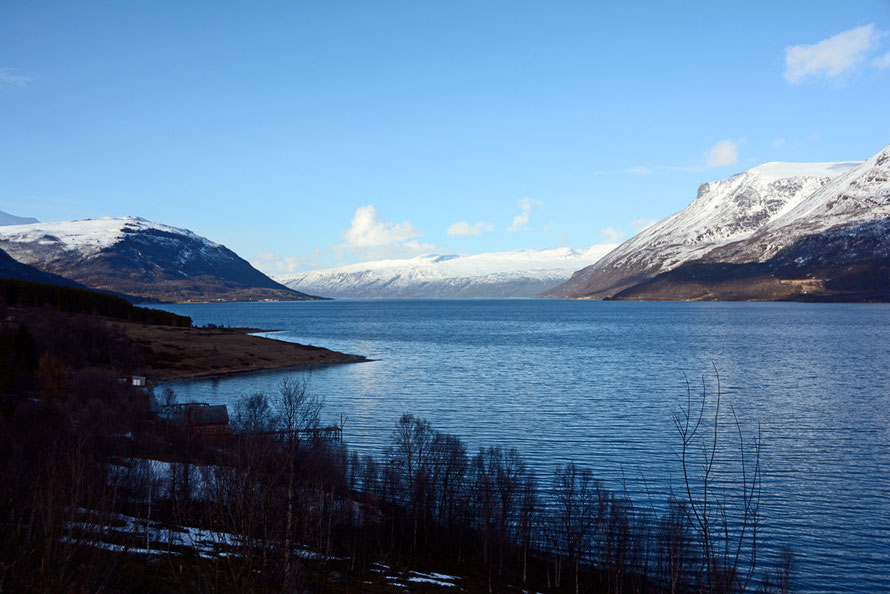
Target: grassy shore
{"points": [[173, 353]]}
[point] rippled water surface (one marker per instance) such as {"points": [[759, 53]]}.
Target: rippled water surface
{"points": [[597, 382]]}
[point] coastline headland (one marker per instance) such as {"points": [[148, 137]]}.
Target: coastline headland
{"points": [[176, 353]]}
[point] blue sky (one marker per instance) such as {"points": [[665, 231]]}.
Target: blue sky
{"points": [[307, 134]]}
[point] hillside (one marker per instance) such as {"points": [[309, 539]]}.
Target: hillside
{"points": [[833, 246], [139, 257], [723, 212], [816, 231]]}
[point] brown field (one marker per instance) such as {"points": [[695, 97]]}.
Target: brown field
{"points": [[172, 353]]}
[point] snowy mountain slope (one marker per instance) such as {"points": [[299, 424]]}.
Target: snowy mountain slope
{"points": [[139, 257], [723, 212], [520, 273], [10, 219], [852, 200], [846, 263]]}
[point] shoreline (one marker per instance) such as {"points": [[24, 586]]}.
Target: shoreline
{"points": [[172, 353], [160, 381]]}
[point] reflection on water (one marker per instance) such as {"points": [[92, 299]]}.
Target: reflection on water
{"points": [[596, 382]]}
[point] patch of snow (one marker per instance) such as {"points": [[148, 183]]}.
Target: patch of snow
{"points": [[426, 580], [417, 577], [209, 544], [107, 546]]}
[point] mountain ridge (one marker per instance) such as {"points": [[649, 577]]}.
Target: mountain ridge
{"points": [[139, 257], [723, 211], [807, 238]]}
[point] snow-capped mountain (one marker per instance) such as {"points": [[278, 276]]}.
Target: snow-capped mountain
{"points": [[723, 212], [830, 244], [139, 257], [520, 273], [860, 196]]}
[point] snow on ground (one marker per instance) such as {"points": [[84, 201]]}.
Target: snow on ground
{"points": [[416, 577], [776, 170], [107, 531], [438, 579], [861, 194]]}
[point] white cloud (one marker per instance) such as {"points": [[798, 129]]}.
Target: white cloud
{"points": [[639, 170], [778, 143], [882, 62], [465, 228], [367, 230], [725, 152], [612, 235], [520, 221], [642, 224], [830, 58], [8, 76], [371, 238]]}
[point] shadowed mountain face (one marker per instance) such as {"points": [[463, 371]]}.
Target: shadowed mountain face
{"points": [[138, 257], [822, 237], [847, 264], [10, 268], [723, 212]]}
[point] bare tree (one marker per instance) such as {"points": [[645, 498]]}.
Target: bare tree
{"points": [[528, 516], [675, 547], [450, 469], [300, 412], [726, 518], [576, 496], [410, 455]]}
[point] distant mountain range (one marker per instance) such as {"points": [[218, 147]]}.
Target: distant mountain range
{"points": [[520, 273], [816, 231], [802, 231], [138, 257], [10, 219]]}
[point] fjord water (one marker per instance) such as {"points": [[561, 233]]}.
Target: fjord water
{"points": [[597, 383]]}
